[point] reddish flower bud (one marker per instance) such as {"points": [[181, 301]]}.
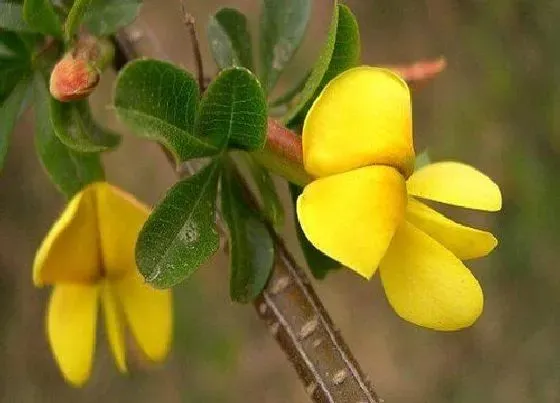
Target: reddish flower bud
{"points": [[73, 79]]}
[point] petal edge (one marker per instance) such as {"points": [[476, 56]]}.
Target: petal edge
{"points": [[457, 184], [464, 242], [362, 117], [352, 217], [427, 285], [148, 312], [71, 323]]}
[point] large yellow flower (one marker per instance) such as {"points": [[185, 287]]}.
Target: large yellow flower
{"points": [[364, 208], [88, 256]]}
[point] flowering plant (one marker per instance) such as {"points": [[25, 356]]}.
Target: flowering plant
{"points": [[342, 138]]}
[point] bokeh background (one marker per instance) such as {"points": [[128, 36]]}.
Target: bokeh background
{"points": [[494, 107]]}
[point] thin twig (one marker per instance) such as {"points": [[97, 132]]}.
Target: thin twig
{"points": [[299, 322], [189, 21]]}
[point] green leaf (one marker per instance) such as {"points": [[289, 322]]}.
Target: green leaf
{"points": [[341, 52], [251, 248], [180, 234], [15, 62], [158, 101], [11, 17], [230, 40], [319, 263], [69, 170], [271, 205], [75, 127], [283, 25], [15, 68], [75, 17], [105, 17], [233, 111], [41, 16], [10, 110]]}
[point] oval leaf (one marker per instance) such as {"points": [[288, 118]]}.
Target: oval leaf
{"points": [[283, 25], [75, 16], [229, 39], [341, 52], [69, 170], [271, 205], [10, 109], [180, 234], [158, 101], [233, 111], [11, 17], [251, 249], [75, 127], [41, 16], [104, 17], [319, 264], [15, 62]]}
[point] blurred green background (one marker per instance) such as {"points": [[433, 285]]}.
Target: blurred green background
{"points": [[494, 107]]}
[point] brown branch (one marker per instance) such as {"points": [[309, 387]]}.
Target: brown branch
{"points": [[296, 317], [189, 21]]}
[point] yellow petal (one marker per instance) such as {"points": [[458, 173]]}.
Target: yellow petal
{"points": [[464, 242], [351, 217], [120, 218], [457, 184], [149, 312], [362, 117], [427, 285], [114, 325], [69, 253], [71, 321]]}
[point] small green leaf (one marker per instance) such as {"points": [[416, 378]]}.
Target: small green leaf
{"points": [[422, 160], [10, 109], [251, 249], [233, 111], [271, 205], [69, 170], [341, 52], [75, 17], [11, 17], [75, 127], [41, 16], [15, 62], [230, 40], [105, 17], [180, 234], [283, 25], [15, 68], [158, 101], [319, 263]]}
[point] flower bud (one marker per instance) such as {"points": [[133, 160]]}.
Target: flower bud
{"points": [[73, 79]]}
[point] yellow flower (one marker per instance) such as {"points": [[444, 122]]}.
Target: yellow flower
{"points": [[88, 256], [364, 208]]}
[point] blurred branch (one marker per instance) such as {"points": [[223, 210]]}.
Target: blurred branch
{"points": [[189, 21], [295, 315], [422, 70]]}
